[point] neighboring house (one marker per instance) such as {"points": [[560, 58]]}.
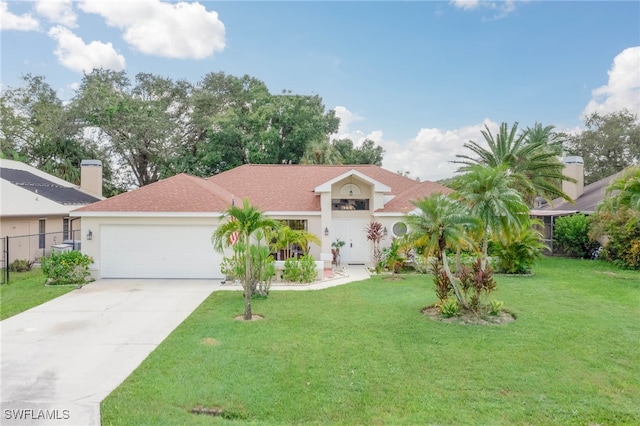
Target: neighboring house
{"points": [[163, 230], [35, 206], [586, 198]]}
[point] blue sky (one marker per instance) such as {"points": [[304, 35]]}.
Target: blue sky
{"points": [[419, 78]]}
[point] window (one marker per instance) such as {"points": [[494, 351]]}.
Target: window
{"points": [[42, 231], [292, 250], [295, 224], [349, 204], [399, 229], [65, 228]]}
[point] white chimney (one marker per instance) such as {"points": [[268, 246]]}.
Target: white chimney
{"points": [[91, 177], [573, 168]]}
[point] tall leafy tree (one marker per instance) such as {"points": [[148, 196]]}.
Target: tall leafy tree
{"points": [[136, 119], [490, 196], [438, 224], [531, 157], [243, 225], [610, 143], [367, 153], [292, 122], [36, 127], [225, 123]]}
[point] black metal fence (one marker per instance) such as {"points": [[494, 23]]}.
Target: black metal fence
{"points": [[31, 248]]}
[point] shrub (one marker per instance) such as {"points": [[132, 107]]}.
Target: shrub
{"points": [[476, 282], [449, 308], [301, 270], [622, 230], [20, 265], [442, 284], [392, 257], [69, 267], [571, 234], [632, 256], [517, 252], [495, 306]]}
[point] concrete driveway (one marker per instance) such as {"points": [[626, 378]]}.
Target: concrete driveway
{"points": [[60, 359]]}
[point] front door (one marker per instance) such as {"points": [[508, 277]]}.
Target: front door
{"points": [[353, 233]]}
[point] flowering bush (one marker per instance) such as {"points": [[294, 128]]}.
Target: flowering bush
{"points": [[68, 267]]}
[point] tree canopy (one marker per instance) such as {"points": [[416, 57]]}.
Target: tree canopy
{"points": [[150, 127], [610, 143]]}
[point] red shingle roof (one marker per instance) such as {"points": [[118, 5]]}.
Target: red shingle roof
{"points": [[402, 202], [268, 187], [179, 193], [284, 187]]}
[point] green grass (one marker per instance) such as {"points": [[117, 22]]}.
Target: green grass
{"points": [[364, 354], [26, 290]]}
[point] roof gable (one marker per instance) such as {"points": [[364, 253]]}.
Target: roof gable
{"points": [[377, 186]]}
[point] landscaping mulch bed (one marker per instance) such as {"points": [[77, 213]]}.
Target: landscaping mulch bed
{"points": [[469, 318]]}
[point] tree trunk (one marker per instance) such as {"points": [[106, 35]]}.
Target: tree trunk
{"points": [[452, 279], [247, 303], [248, 281], [485, 245]]}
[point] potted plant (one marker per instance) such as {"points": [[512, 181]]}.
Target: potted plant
{"points": [[335, 251]]}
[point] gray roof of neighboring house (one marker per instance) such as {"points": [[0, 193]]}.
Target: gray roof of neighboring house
{"points": [[27, 191], [39, 185], [593, 194]]}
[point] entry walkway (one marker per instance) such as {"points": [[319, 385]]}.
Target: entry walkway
{"points": [[62, 358]]}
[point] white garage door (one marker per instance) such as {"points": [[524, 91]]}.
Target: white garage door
{"points": [[164, 251]]}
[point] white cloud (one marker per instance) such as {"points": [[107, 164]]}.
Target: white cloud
{"points": [[501, 8], [465, 4], [429, 154], [10, 21], [623, 89], [346, 119], [57, 11], [173, 30], [73, 53]]}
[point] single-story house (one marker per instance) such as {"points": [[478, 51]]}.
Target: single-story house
{"points": [[35, 206], [586, 198], [163, 230]]}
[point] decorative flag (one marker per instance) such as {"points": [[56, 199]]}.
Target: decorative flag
{"points": [[235, 236]]}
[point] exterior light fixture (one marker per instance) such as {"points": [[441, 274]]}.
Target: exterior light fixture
{"points": [[384, 231], [89, 235], [326, 232]]}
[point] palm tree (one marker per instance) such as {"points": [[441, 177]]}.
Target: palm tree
{"points": [[627, 187], [321, 152], [438, 224], [490, 196], [285, 238], [532, 158], [243, 225]]}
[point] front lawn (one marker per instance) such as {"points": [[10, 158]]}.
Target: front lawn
{"points": [[364, 354], [26, 290]]}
